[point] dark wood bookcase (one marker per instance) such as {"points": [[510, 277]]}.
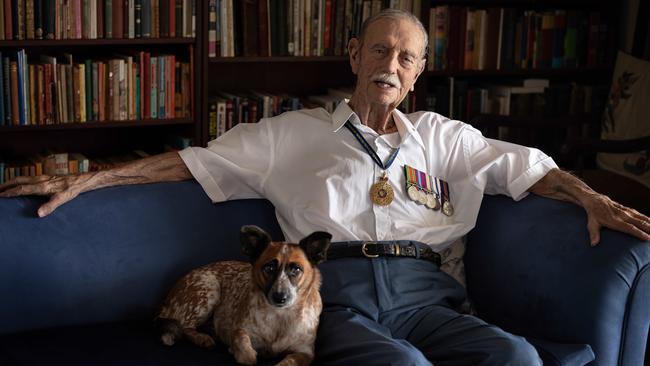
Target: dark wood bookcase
{"points": [[107, 137], [299, 75]]}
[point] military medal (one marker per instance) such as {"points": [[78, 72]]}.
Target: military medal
{"points": [[381, 193], [430, 191], [432, 198], [445, 196]]}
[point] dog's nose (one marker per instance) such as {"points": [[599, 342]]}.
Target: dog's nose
{"points": [[279, 298]]}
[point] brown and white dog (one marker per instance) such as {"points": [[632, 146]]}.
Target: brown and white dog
{"points": [[268, 307]]}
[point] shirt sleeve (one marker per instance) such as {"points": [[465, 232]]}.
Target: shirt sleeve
{"points": [[501, 167], [235, 165]]}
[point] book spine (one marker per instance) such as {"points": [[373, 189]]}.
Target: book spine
{"points": [[118, 19], [154, 87], [138, 18], [7, 91], [2, 91], [15, 86], [212, 28], [8, 24], [178, 4], [130, 10], [163, 18], [108, 18], [19, 19], [146, 18], [32, 100], [172, 17], [29, 19]]}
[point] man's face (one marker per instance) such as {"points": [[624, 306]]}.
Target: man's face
{"points": [[388, 62]]}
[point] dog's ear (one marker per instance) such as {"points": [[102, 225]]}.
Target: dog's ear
{"points": [[253, 241], [315, 246]]}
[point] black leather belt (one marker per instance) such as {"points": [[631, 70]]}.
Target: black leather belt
{"points": [[390, 248]]}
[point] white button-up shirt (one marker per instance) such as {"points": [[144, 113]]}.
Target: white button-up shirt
{"points": [[318, 176]]}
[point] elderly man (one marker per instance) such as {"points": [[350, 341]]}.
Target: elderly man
{"points": [[393, 189]]}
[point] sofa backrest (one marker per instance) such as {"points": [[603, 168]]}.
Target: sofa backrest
{"points": [[112, 254]]}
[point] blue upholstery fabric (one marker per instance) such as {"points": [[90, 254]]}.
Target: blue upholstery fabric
{"points": [[109, 256], [533, 272]]}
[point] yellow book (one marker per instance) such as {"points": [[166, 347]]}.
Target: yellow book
{"points": [[82, 92]]}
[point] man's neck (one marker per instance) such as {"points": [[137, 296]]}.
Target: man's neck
{"points": [[379, 118]]}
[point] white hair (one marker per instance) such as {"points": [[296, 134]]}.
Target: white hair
{"points": [[396, 14]]}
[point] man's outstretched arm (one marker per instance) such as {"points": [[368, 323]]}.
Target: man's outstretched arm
{"points": [[165, 167], [601, 210]]}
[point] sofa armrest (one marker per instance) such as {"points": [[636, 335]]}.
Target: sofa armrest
{"points": [[531, 270]]}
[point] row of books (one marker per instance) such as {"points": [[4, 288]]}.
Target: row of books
{"points": [[528, 98], [291, 27], [462, 38], [227, 109], [93, 19], [125, 87], [61, 163], [64, 163]]}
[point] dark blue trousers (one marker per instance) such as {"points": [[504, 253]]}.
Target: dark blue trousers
{"points": [[400, 311]]}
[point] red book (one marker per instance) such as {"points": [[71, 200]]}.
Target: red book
{"points": [[172, 18], [118, 18], [146, 85], [263, 28], [100, 19], [8, 21], [328, 26]]}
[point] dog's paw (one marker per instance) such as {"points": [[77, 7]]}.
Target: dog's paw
{"points": [[168, 339], [200, 339], [246, 357]]}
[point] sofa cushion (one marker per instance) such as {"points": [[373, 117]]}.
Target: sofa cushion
{"points": [[108, 344], [137, 344], [563, 354]]}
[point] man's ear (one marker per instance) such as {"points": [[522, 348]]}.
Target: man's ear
{"points": [[354, 47], [315, 246], [253, 241]]}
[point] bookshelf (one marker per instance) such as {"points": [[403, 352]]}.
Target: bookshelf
{"points": [[79, 36], [304, 69], [590, 67]]}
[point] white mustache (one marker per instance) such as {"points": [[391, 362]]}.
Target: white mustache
{"points": [[390, 79]]}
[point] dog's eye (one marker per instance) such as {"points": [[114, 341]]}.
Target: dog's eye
{"points": [[270, 267], [294, 270]]}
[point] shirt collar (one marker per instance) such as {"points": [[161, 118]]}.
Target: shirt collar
{"points": [[343, 113]]}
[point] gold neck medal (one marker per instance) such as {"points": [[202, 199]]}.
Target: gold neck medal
{"points": [[381, 193]]}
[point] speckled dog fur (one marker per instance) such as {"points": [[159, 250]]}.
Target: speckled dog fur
{"points": [[267, 307]]}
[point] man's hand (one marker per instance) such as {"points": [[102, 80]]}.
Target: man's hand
{"points": [[61, 189], [604, 212], [601, 210], [167, 167]]}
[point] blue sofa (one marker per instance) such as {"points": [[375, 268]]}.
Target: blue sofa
{"points": [[81, 286]]}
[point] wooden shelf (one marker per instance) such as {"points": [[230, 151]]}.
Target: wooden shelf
{"points": [[523, 72], [97, 125], [95, 42], [564, 121], [278, 59]]}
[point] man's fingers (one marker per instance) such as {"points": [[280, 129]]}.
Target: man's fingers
{"points": [[56, 201], [9, 189], [631, 229], [594, 231]]}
